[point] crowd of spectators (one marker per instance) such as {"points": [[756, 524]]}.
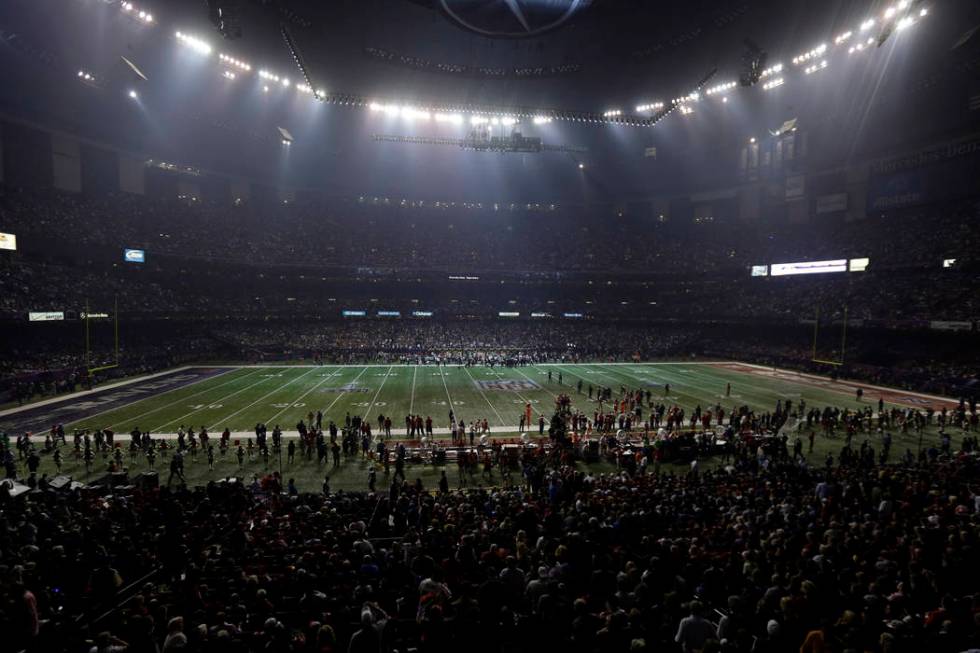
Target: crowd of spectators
{"points": [[935, 363], [43, 359], [858, 556], [291, 255], [409, 236], [54, 360], [267, 268], [216, 290], [778, 557], [459, 342]]}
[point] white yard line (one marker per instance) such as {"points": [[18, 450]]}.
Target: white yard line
{"points": [[102, 388], [769, 392], [673, 380], [452, 406], [326, 378], [492, 407], [337, 398], [219, 400], [411, 408], [400, 433], [525, 399], [136, 401], [850, 383], [655, 362], [542, 385], [591, 382], [674, 394], [181, 400], [211, 427], [368, 412], [283, 366]]}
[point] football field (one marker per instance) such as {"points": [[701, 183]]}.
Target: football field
{"points": [[238, 398]]}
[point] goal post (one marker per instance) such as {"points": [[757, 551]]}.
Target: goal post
{"points": [[825, 350], [90, 321]]}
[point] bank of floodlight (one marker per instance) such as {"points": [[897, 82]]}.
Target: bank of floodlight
{"points": [[720, 88], [194, 43], [812, 54], [232, 61], [809, 70]]}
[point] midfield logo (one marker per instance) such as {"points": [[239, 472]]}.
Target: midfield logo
{"points": [[508, 385], [350, 387]]}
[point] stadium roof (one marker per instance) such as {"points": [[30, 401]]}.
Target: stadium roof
{"points": [[71, 62]]}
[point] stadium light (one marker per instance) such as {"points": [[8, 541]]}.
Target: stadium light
{"points": [[721, 88], [815, 67], [905, 14], [196, 44], [691, 97], [452, 118], [650, 106], [137, 14], [752, 139], [771, 70], [861, 46], [133, 94], [412, 113], [812, 54], [773, 83], [232, 61], [581, 166]]}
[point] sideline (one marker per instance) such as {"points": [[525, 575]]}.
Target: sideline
{"points": [[108, 386], [841, 383]]}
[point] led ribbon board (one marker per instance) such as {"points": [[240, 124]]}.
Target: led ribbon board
{"points": [[808, 267]]}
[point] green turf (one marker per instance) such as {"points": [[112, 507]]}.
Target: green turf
{"points": [[244, 396]]}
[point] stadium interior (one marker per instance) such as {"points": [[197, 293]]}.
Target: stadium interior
{"points": [[401, 326]]}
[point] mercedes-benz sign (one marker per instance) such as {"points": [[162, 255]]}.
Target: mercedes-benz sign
{"points": [[511, 18]]}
